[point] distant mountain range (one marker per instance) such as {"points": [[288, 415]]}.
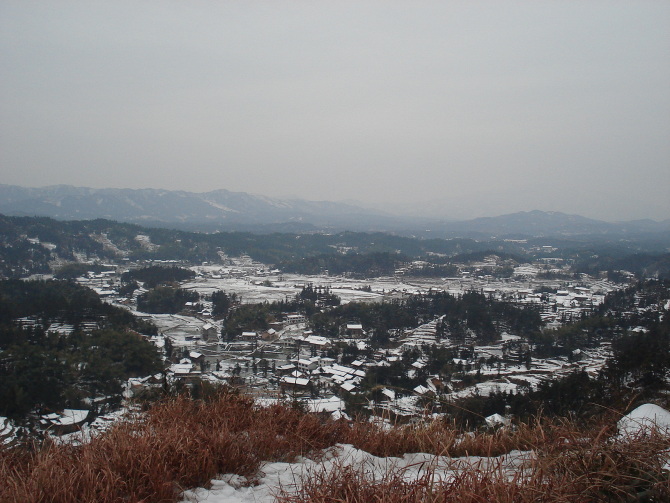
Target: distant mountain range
{"points": [[225, 210], [215, 209], [550, 223]]}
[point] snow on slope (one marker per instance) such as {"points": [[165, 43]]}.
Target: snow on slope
{"points": [[645, 418], [275, 477]]}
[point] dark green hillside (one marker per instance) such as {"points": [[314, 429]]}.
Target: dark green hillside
{"points": [[63, 301], [42, 370], [32, 245]]}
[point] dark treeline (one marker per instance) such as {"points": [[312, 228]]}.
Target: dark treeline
{"points": [[153, 276], [472, 315], [47, 371], [165, 299], [322, 296], [163, 296], [77, 269], [222, 302], [63, 301], [352, 264], [107, 240], [636, 372], [642, 265], [86, 237]]}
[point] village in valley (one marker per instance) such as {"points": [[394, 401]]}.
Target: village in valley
{"points": [[289, 361], [414, 342], [266, 252]]}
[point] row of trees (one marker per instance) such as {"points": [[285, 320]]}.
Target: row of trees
{"points": [[154, 276], [65, 301], [352, 264], [49, 372], [165, 299], [637, 371], [376, 253], [470, 314], [43, 371]]}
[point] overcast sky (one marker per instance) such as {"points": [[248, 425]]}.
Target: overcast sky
{"points": [[465, 108]]}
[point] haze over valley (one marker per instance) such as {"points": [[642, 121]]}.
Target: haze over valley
{"points": [[453, 110], [304, 252], [224, 210]]}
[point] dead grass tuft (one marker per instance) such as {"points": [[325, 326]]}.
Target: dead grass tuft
{"points": [[569, 464], [182, 443]]}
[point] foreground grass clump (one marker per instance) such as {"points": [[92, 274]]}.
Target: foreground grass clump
{"points": [[179, 443], [566, 466], [182, 443], [441, 439]]}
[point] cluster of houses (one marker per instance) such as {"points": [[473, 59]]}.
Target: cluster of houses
{"points": [[303, 367], [309, 375]]}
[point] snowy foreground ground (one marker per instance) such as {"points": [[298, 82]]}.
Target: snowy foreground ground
{"points": [[274, 478]]}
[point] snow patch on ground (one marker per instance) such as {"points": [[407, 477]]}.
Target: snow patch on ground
{"points": [[643, 420], [276, 477]]}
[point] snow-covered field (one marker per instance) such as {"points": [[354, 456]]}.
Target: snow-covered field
{"points": [[255, 289], [254, 282]]}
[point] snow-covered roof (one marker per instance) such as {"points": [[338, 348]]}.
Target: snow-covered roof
{"points": [[295, 380], [389, 393], [72, 416], [316, 340], [181, 368], [325, 404], [421, 390], [495, 420]]}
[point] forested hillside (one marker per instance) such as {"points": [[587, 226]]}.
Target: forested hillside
{"points": [[31, 245], [70, 348]]}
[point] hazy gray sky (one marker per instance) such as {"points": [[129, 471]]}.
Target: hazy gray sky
{"points": [[468, 108]]}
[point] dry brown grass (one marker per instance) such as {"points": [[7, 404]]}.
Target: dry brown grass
{"points": [[570, 464], [440, 438], [181, 443]]}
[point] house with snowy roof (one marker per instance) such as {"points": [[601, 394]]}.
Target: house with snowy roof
{"points": [[249, 336], [209, 333], [67, 421], [60, 329], [307, 365], [294, 319], [292, 383], [353, 330], [318, 342]]}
